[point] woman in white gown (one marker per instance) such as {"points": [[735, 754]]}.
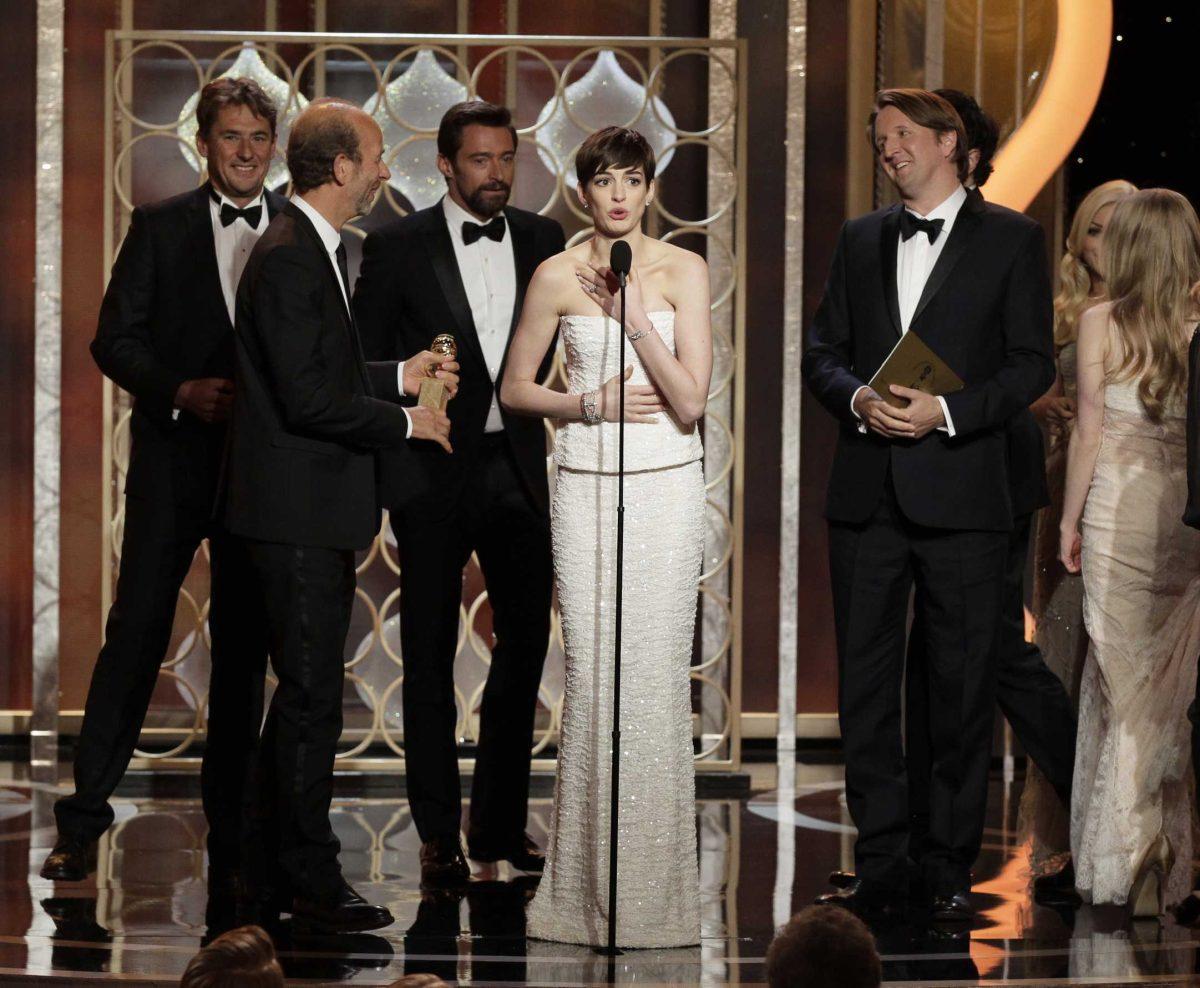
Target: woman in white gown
{"points": [[1126, 487], [666, 380]]}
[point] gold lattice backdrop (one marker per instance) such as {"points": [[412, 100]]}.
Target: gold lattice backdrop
{"points": [[683, 94]]}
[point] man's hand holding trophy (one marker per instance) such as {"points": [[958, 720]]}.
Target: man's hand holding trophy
{"points": [[432, 377]]}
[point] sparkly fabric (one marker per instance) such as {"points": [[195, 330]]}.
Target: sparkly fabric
{"points": [[1057, 607], [1141, 574], [658, 881], [593, 350]]}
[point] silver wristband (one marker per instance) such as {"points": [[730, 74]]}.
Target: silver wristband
{"points": [[634, 337]]}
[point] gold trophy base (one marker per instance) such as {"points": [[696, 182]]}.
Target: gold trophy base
{"points": [[433, 394]]}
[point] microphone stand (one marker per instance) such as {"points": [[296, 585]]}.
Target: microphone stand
{"points": [[611, 949]]}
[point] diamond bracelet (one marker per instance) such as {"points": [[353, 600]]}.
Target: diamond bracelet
{"points": [[589, 406]]}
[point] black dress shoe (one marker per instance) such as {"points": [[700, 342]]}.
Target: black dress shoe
{"points": [[842, 879], [864, 901], [1057, 888], [443, 865], [952, 908], [70, 861], [345, 911], [526, 856]]}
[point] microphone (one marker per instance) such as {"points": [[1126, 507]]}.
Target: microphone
{"points": [[620, 259]]}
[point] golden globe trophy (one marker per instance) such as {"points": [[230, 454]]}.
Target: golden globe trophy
{"points": [[434, 393]]}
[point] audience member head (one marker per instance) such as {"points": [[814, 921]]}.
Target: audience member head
{"points": [[824, 947], [983, 134], [235, 133], [1152, 264], [477, 152], [1081, 277], [335, 155], [921, 145], [615, 172], [241, 958]]}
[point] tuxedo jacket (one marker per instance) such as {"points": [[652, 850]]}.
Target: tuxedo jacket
{"points": [[410, 290], [164, 321], [986, 311], [309, 414]]}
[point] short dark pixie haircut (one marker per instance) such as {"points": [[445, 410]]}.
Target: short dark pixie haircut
{"points": [[232, 92], [473, 112], [315, 141], [983, 133], [925, 109], [613, 147]]}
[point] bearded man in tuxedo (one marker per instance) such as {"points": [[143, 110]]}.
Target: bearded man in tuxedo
{"points": [[462, 267]]}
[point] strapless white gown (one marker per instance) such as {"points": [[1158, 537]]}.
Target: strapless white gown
{"points": [[658, 882]]}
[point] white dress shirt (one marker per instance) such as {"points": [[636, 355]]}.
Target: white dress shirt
{"points": [[915, 258], [234, 243], [489, 275], [332, 239]]}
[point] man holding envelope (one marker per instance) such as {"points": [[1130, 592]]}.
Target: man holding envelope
{"points": [[919, 491]]}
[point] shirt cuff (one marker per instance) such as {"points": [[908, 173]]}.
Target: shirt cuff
{"points": [[948, 428], [408, 431], [400, 382], [862, 426]]}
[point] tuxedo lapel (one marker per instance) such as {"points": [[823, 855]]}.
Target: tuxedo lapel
{"points": [[275, 204], [200, 233], [525, 256], [961, 235], [889, 243], [525, 263], [445, 268], [333, 284]]}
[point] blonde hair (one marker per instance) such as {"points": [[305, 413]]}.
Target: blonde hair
{"points": [[1074, 275], [1152, 263]]}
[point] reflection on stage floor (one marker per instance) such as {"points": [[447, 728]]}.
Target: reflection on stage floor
{"points": [[763, 857]]}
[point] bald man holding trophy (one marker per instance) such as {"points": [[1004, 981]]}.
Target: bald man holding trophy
{"points": [[456, 274]]}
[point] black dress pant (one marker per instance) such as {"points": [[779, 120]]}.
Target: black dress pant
{"points": [[290, 842], [495, 518], [156, 553], [959, 579], [1032, 698]]}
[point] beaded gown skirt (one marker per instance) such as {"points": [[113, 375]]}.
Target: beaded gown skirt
{"points": [[658, 881], [1141, 574]]}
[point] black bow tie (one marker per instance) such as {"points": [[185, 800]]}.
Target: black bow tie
{"points": [[251, 214], [493, 230], [911, 225]]}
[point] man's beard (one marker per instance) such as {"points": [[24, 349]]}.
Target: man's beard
{"points": [[481, 203], [366, 202]]}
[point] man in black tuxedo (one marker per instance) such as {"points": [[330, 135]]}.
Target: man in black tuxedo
{"points": [[309, 416], [165, 335], [920, 495], [1031, 697], [462, 267]]}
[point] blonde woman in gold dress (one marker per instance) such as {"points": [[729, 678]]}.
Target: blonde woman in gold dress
{"points": [[1057, 599], [1126, 488]]}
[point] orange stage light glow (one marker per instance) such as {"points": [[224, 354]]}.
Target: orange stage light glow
{"points": [[1036, 149]]}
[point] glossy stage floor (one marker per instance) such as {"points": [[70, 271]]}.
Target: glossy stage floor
{"points": [[762, 857]]}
